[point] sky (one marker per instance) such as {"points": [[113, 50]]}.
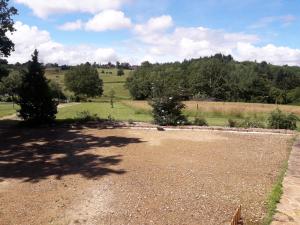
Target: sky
{"points": [[77, 31]]}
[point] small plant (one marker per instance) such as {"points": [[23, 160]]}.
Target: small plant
{"points": [[110, 118], [200, 121], [130, 121], [112, 94], [280, 120], [247, 123], [233, 123], [86, 116]]}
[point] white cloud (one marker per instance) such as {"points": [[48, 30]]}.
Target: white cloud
{"points": [[108, 20], [103, 21], [275, 54], [44, 8], [156, 24], [28, 38], [71, 26], [266, 21], [161, 45]]}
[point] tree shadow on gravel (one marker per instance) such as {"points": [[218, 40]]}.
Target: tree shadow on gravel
{"points": [[32, 155]]}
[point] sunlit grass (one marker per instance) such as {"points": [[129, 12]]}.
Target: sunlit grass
{"points": [[7, 109], [104, 111]]}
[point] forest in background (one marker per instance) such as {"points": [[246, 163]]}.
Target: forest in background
{"points": [[218, 78]]}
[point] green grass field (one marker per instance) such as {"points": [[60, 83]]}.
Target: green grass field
{"points": [[120, 112], [110, 82], [7, 109]]}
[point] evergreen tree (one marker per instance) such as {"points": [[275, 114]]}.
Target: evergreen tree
{"points": [[167, 105], [37, 105]]}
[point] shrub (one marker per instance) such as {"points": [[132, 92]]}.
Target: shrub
{"points": [[86, 116], [111, 118], [233, 123], [200, 121], [167, 110], [247, 123], [120, 72], [130, 121], [280, 120]]}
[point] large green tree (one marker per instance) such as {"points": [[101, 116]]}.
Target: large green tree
{"points": [[7, 25], [37, 105], [84, 80]]}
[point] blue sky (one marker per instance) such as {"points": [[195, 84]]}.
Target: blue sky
{"points": [[158, 30]]}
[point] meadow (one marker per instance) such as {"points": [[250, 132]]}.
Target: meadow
{"points": [[110, 82], [125, 109]]}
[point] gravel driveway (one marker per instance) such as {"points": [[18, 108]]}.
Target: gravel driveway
{"points": [[122, 176]]}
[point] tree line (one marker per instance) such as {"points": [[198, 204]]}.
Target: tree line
{"points": [[219, 78]]}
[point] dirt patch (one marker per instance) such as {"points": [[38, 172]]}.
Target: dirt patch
{"points": [[121, 176]]}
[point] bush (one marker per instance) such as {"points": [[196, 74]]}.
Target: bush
{"points": [[130, 121], [167, 110], [86, 116], [233, 123], [247, 123], [280, 120], [111, 118], [200, 121], [120, 72]]}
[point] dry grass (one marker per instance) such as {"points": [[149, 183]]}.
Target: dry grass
{"points": [[225, 107]]}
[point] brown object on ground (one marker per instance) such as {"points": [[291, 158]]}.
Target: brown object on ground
{"points": [[289, 206], [237, 218], [121, 176]]}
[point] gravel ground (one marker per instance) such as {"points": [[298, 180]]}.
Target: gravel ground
{"points": [[121, 176]]}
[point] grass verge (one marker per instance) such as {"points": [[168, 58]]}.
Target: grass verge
{"points": [[277, 191]]}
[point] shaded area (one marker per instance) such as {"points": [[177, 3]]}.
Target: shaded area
{"points": [[35, 154]]}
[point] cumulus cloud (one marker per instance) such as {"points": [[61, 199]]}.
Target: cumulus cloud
{"points": [[275, 54], [155, 24], [44, 8], [106, 20], [161, 45], [27, 38]]}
